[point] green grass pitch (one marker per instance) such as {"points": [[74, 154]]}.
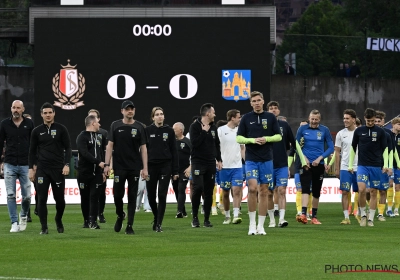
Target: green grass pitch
{"points": [[182, 252]]}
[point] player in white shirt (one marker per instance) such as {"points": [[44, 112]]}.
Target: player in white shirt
{"points": [[343, 142], [231, 174]]}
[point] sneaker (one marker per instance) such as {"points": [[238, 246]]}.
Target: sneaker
{"points": [[179, 215], [370, 223], [214, 211], [154, 222], [85, 224], [363, 221], [227, 221], [308, 217], [118, 224], [158, 228], [302, 219], [390, 214], [207, 224], [129, 229], [60, 226], [137, 209], [94, 225], [29, 219], [22, 223], [276, 213], [314, 221], [102, 219], [236, 220], [261, 231], [272, 224], [184, 214], [195, 222], [14, 227], [381, 218], [345, 222], [148, 211], [283, 223], [252, 230], [202, 209], [44, 231], [396, 212]]}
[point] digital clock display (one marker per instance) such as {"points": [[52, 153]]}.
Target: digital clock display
{"points": [[175, 63]]}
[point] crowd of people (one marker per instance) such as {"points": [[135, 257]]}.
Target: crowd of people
{"points": [[348, 72], [257, 147]]}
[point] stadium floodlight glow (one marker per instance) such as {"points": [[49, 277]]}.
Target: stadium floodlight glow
{"points": [[71, 2], [232, 2]]}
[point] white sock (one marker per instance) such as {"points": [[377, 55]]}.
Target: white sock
{"points": [[261, 220], [281, 214], [252, 218], [235, 212], [389, 208], [371, 214], [362, 211], [396, 209], [346, 214], [276, 207], [271, 216], [228, 214]]}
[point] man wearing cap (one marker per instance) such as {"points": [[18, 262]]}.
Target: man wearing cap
{"points": [[127, 144]]}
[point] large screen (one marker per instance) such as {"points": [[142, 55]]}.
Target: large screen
{"points": [[175, 63]]}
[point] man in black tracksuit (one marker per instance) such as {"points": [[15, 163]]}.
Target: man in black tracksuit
{"points": [[183, 146], [162, 163], [49, 142], [90, 170], [103, 134], [205, 151]]}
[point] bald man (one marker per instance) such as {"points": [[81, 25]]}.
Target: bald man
{"points": [[15, 133]]}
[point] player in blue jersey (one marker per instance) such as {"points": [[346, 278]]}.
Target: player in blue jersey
{"points": [[257, 130], [313, 138], [396, 166], [372, 158]]}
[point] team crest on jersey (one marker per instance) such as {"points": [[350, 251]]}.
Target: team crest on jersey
{"points": [[238, 182], [98, 142], [182, 145], [264, 123], [319, 135], [165, 136], [298, 185], [248, 173], [116, 179], [398, 142], [374, 134], [376, 183], [53, 133], [346, 186], [134, 132], [81, 186], [197, 172], [40, 180], [213, 133], [99, 135], [268, 176], [68, 87], [281, 130]]}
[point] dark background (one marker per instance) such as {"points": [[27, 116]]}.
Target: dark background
{"points": [[102, 48]]}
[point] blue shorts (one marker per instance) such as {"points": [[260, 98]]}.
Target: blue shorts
{"points": [[396, 176], [384, 181], [370, 175], [244, 172], [298, 183], [261, 171], [281, 177], [231, 177], [347, 180]]}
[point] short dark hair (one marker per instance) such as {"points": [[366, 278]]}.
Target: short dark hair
{"points": [[369, 113], [94, 111], [380, 114], [273, 103], [205, 108], [256, 93], [350, 112], [89, 119], [46, 105], [221, 123], [231, 114], [358, 122]]}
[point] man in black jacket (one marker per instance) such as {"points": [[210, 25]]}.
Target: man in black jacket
{"points": [[90, 170], [49, 141], [103, 134], [15, 132], [205, 151]]}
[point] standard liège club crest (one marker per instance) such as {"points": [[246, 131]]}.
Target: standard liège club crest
{"points": [[68, 87]]}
